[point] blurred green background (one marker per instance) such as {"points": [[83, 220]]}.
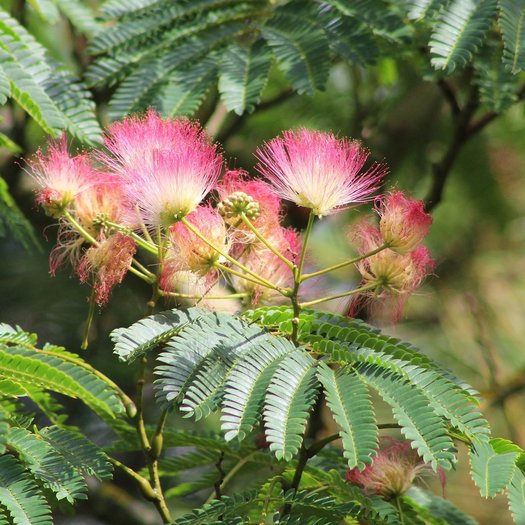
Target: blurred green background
{"points": [[469, 316]]}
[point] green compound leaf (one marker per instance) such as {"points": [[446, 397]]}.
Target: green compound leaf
{"points": [[512, 24], [460, 31], [301, 52], [292, 393], [348, 400], [243, 76], [20, 495]]}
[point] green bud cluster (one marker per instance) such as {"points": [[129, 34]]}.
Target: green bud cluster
{"points": [[237, 203]]}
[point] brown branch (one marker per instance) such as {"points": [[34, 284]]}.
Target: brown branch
{"points": [[460, 135], [450, 96]]}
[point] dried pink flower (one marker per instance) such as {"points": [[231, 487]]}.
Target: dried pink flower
{"points": [[404, 222], [108, 263], [393, 470], [188, 252], [60, 176], [167, 166], [319, 171]]}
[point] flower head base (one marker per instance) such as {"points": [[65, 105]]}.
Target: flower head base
{"points": [[102, 202], [191, 253], [393, 471], [60, 176], [108, 262], [266, 264], [261, 192], [404, 222], [167, 166], [237, 203], [319, 171]]}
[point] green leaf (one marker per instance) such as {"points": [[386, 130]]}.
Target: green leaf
{"points": [[440, 508], [246, 386], [291, 394], [410, 408], [188, 88], [46, 9], [491, 472], [5, 88], [424, 9], [84, 456], [75, 102], [348, 400], [148, 333], [31, 96], [9, 145], [48, 465], [460, 31], [243, 76], [301, 52], [219, 511], [512, 23], [498, 88], [4, 429], [12, 219], [32, 372], [20, 495], [81, 16], [118, 8], [95, 392], [516, 496]]}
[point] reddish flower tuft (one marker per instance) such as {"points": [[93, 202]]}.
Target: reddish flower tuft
{"points": [[393, 470], [395, 276], [404, 222], [167, 166], [60, 176], [319, 171], [108, 263]]}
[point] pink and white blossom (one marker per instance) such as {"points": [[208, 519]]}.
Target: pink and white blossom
{"points": [[317, 170], [167, 166], [60, 176], [403, 221]]}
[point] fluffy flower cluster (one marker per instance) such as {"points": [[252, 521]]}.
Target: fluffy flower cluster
{"points": [[401, 262], [158, 186], [393, 471]]}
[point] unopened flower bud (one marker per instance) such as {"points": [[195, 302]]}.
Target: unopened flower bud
{"points": [[237, 203]]}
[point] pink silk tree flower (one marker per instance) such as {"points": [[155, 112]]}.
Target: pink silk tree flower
{"points": [[167, 166], [393, 277], [317, 170], [403, 222], [188, 252], [108, 263], [393, 471], [60, 176]]}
